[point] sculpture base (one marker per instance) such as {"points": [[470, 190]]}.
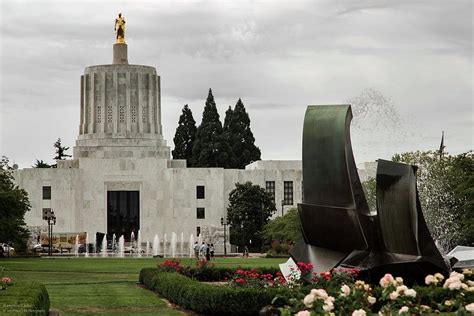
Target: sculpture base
{"points": [[120, 54]]}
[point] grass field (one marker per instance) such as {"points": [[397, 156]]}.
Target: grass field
{"points": [[103, 285]]}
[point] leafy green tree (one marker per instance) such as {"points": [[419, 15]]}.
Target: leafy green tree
{"points": [[60, 150], [41, 164], [286, 228], [240, 137], [369, 187], [250, 208], [14, 204], [445, 185], [210, 148], [185, 136]]}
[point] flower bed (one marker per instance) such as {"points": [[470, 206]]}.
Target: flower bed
{"points": [[23, 298]]}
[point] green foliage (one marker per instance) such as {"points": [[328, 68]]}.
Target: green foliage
{"points": [[209, 299], [185, 136], [210, 148], [25, 299], [41, 164], [60, 150], [250, 208], [238, 134], [14, 204], [370, 192], [286, 228], [446, 187]]}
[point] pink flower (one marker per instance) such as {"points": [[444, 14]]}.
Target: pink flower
{"points": [[6, 280], [387, 280], [346, 290]]}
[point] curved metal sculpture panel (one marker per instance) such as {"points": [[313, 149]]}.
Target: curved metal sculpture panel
{"points": [[338, 229]]}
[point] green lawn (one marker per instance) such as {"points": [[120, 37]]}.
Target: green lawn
{"points": [[105, 286]]}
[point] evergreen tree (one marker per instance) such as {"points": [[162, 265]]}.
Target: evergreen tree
{"points": [[210, 149], [240, 137], [14, 204], [41, 164], [228, 136], [185, 136], [60, 150]]}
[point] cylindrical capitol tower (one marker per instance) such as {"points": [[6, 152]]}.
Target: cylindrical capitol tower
{"points": [[120, 110]]}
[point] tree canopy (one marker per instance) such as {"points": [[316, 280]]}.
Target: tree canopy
{"points": [[14, 204], [286, 228], [185, 136], [250, 208], [446, 188], [210, 148], [240, 137]]}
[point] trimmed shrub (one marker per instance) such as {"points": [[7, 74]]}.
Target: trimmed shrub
{"points": [[212, 274], [205, 298], [24, 299]]}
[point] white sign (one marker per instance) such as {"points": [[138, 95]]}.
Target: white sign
{"points": [[290, 270]]}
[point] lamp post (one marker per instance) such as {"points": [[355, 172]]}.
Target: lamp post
{"points": [[224, 223], [48, 215], [282, 206]]}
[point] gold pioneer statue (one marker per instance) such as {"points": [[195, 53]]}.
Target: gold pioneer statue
{"points": [[120, 29]]}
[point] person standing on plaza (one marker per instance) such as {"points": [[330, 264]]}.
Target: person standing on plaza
{"points": [[196, 250], [208, 253], [212, 250], [202, 251]]}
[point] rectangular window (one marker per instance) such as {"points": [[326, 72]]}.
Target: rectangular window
{"points": [[288, 192], [200, 192], [200, 212], [198, 230], [270, 188], [46, 193]]}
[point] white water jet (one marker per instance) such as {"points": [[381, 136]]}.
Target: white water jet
{"points": [[132, 242], [76, 246], [191, 246], [147, 252], [182, 245], [121, 247], [156, 245], [114, 244], [104, 246], [164, 245], [139, 244], [87, 245], [200, 239], [95, 245], [173, 245]]}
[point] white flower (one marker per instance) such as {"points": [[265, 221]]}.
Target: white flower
{"points": [[404, 309], [359, 312], [431, 279], [319, 294], [439, 276], [330, 299], [453, 282], [386, 280], [328, 305], [394, 295], [410, 292], [303, 313], [454, 274], [455, 285], [308, 300], [470, 283], [470, 308], [346, 290], [399, 280], [401, 289], [371, 300]]}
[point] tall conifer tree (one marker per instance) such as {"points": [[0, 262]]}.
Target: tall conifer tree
{"points": [[210, 148], [185, 136], [240, 138]]}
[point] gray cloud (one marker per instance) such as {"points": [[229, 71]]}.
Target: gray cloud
{"points": [[279, 56]]}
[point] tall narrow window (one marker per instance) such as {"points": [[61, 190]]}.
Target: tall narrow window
{"points": [[198, 230], [270, 188], [46, 193], [288, 192], [200, 213], [200, 192]]}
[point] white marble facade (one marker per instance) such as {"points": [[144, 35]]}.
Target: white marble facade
{"points": [[120, 148]]}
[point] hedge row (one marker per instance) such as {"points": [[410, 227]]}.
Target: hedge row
{"points": [[212, 274], [205, 298], [24, 299]]}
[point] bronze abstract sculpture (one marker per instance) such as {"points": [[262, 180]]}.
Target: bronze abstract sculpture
{"points": [[338, 228]]}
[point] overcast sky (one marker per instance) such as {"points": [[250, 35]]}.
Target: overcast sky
{"points": [[407, 66]]}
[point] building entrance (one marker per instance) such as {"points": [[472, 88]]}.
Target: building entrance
{"points": [[123, 213]]}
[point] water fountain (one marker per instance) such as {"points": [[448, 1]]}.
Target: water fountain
{"points": [[173, 245], [132, 242], [164, 245], [121, 247], [104, 246], [147, 253], [182, 245], [139, 244], [114, 244], [191, 246], [95, 245], [156, 245], [76, 246], [87, 245]]}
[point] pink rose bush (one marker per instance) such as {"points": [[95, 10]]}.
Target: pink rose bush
{"points": [[5, 282]]}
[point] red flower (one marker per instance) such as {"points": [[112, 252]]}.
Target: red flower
{"points": [[240, 281], [326, 275]]}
